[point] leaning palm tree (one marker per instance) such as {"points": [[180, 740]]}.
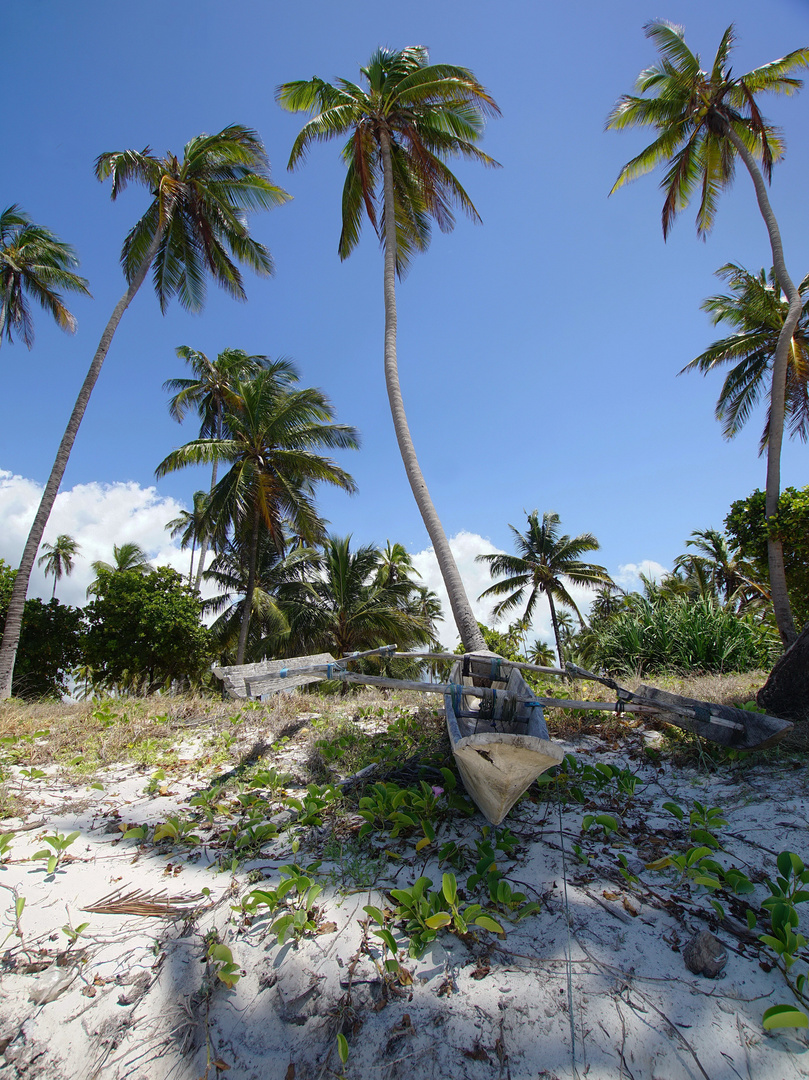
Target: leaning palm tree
{"points": [[208, 393], [757, 309], [401, 127], [272, 435], [544, 562], [195, 221], [35, 264], [704, 120], [58, 558]]}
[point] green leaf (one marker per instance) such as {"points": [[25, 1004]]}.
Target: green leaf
{"points": [[674, 808], [487, 923], [441, 918], [449, 887], [375, 914], [778, 1016], [342, 1047]]}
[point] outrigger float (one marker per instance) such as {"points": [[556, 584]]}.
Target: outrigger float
{"points": [[495, 721]]}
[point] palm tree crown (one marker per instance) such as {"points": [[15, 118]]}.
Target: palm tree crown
{"points": [[543, 561], [756, 307], [36, 263], [425, 112], [697, 114], [272, 432], [57, 558], [198, 214]]}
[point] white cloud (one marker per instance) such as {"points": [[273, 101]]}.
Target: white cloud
{"points": [[628, 576], [95, 515]]}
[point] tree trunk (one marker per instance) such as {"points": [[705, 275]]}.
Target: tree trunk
{"points": [[11, 634], [203, 543], [555, 624], [461, 609], [775, 550], [786, 691], [251, 587]]}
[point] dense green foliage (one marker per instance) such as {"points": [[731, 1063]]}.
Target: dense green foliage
{"points": [[749, 531], [678, 635], [50, 644], [144, 630]]}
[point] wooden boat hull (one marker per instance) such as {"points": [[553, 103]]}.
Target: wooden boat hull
{"points": [[499, 754]]}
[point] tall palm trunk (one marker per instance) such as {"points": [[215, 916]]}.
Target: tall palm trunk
{"points": [[11, 634], [251, 585], [556, 634], [775, 549], [461, 609], [203, 544]]}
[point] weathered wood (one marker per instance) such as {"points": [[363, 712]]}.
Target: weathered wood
{"points": [[456, 656], [722, 724], [498, 766], [235, 676]]}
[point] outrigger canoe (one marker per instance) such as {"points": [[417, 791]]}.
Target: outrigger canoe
{"points": [[500, 740], [495, 721]]}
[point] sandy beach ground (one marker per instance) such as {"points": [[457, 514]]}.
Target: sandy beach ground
{"points": [[146, 959]]}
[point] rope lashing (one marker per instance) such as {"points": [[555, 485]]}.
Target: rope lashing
{"points": [[456, 693], [282, 674], [329, 668], [495, 673]]}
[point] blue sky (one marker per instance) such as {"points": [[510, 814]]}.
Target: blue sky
{"points": [[538, 351]]}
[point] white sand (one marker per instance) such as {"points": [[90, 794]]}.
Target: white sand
{"points": [[591, 986]]}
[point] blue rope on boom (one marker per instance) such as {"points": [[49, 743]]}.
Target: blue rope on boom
{"points": [[328, 670], [282, 674], [495, 674]]}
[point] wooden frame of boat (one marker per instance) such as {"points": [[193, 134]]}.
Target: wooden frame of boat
{"points": [[500, 741], [496, 723]]}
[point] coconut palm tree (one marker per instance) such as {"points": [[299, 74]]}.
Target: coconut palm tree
{"points": [[731, 579], [704, 120], [128, 556], [544, 562], [58, 558], [272, 435], [188, 525], [195, 221], [207, 392], [33, 263], [757, 309], [401, 127], [229, 574], [345, 608]]}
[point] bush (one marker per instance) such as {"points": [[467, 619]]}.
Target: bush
{"points": [[681, 635]]}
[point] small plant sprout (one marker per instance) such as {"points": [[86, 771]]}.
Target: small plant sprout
{"points": [[221, 958], [342, 1053], [6, 840], [73, 933], [19, 907], [58, 846]]}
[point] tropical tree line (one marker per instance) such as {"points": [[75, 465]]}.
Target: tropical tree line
{"points": [[400, 127], [145, 629]]}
